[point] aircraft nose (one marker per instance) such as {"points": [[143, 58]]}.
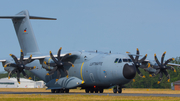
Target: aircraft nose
{"points": [[129, 71]]}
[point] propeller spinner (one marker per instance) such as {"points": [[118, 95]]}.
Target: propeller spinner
{"points": [[19, 66], [59, 64], [161, 68]]}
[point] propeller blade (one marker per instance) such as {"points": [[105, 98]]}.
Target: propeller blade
{"points": [[59, 54], [157, 61], [132, 58], [137, 56], [28, 60], [144, 58], [52, 71], [139, 73], [144, 66], [167, 75], [155, 67], [24, 74], [10, 65], [11, 72], [58, 75], [66, 72], [162, 58], [21, 57], [30, 68], [68, 64], [18, 76], [50, 64], [53, 58], [160, 77], [171, 68], [154, 74], [65, 56], [14, 57], [169, 60]]}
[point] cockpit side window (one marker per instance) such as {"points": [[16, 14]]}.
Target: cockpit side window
{"points": [[129, 60], [116, 60], [125, 60], [119, 61]]}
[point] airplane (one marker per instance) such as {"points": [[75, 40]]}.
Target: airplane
{"points": [[91, 70]]}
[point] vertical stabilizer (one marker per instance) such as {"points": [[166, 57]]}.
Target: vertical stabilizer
{"points": [[25, 32]]}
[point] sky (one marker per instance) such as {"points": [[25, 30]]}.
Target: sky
{"points": [[118, 26]]}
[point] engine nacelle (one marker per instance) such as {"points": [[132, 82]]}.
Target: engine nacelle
{"points": [[47, 60]]}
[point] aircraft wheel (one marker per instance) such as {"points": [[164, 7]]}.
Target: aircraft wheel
{"points": [[52, 90], [115, 90], [87, 90], [66, 90], [120, 90], [101, 90], [96, 91], [92, 91], [61, 91], [57, 90]]}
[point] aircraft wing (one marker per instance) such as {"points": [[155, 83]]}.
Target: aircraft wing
{"points": [[173, 64], [41, 57]]}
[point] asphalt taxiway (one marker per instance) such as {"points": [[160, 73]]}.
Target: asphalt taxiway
{"points": [[105, 94]]}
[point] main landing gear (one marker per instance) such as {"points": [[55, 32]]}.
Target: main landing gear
{"points": [[59, 90], [117, 89], [92, 90]]}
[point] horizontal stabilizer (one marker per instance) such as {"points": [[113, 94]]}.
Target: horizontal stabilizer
{"points": [[41, 18], [30, 17], [11, 17]]}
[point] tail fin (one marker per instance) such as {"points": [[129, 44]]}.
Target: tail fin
{"points": [[24, 31]]}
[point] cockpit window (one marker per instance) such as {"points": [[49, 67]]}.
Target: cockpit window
{"points": [[119, 61], [127, 60], [116, 60]]}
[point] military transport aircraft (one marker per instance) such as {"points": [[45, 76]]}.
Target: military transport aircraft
{"points": [[90, 70]]}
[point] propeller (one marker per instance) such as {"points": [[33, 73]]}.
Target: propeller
{"points": [[59, 64], [138, 63], [161, 67], [19, 66]]}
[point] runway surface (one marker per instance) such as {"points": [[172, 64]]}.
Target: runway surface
{"points": [[105, 94]]}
